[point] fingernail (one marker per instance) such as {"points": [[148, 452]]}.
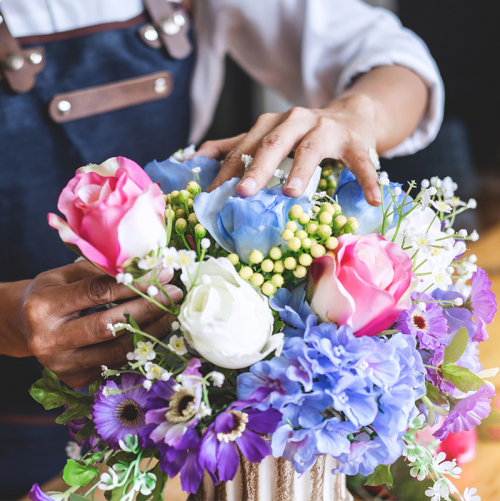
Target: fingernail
{"points": [[294, 183], [174, 292], [376, 195], [249, 183]]}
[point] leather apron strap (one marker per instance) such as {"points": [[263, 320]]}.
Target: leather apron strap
{"points": [[17, 66]]}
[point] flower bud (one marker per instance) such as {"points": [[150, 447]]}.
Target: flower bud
{"points": [[194, 188], [180, 213], [306, 243], [294, 244], [256, 257], [328, 207], [332, 184], [278, 280], [325, 218], [290, 263], [246, 272], [287, 235], [330, 192], [184, 196], [337, 208], [205, 243], [295, 211], [300, 272], [324, 231], [180, 226], [257, 279], [322, 184], [291, 225], [152, 291], [268, 289], [166, 198], [192, 219], [304, 219], [279, 267], [316, 209], [234, 259], [351, 225], [169, 213], [317, 250], [174, 196], [327, 171], [275, 253], [312, 228], [339, 222], [305, 260], [331, 243], [200, 231], [301, 234], [267, 266], [190, 203]]}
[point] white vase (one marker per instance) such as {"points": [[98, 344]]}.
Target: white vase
{"points": [[276, 480]]}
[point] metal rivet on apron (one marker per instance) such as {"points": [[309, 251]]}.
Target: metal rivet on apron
{"points": [[13, 62], [151, 34], [160, 85], [35, 57], [171, 25], [64, 107]]}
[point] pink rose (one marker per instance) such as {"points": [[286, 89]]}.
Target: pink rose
{"points": [[366, 286], [114, 212]]}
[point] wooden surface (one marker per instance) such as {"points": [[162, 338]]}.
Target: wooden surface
{"points": [[484, 471]]}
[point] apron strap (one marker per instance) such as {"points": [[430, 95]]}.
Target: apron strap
{"points": [[17, 66]]}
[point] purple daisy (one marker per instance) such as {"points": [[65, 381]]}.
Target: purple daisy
{"points": [[116, 416], [36, 494], [177, 411], [468, 413], [429, 326], [482, 302], [235, 429]]}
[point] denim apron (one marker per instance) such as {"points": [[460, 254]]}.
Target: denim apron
{"points": [[37, 159]]}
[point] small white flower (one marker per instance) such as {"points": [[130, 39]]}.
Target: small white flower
{"points": [[108, 480], [170, 258], [104, 370], [472, 258], [217, 378], [397, 191], [105, 392], [154, 371], [280, 174], [74, 451], [425, 183], [204, 410], [441, 206], [175, 325], [181, 155], [471, 204], [470, 495], [196, 170], [177, 345], [474, 236], [152, 290], [144, 352], [422, 306], [462, 233], [450, 231], [186, 257], [124, 278], [205, 243], [147, 384], [422, 242], [458, 301], [148, 263], [432, 191], [384, 174], [247, 160], [436, 182], [384, 181], [459, 248], [448, 187], [446, 467], [441, 278], [119, 278]]}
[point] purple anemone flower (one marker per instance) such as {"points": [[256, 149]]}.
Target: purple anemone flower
{"points": [[176, 411], [36, 494], [483, 303], [468, 413], [235, 429], [116, 416], [429, 326]]}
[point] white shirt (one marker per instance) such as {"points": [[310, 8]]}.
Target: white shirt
{"points": [[307, 50]]}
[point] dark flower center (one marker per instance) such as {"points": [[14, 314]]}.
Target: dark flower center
{"points": [[128, 413], [181, 407], [419, 322], [240, 424]]}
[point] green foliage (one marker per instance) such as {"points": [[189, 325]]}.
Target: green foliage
{"points": [[462, 378], [130, 320], [76, 497], [94, 387], [49, 392], [456, 348], [434, 395], [87, 429], [381, 475], [79, 475]]}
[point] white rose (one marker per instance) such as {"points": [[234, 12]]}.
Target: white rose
{"points": [[225, 319]]}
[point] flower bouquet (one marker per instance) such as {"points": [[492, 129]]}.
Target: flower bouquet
{"points": [[310, 328]]}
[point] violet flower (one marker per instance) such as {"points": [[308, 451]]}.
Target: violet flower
{"points": [[482, 302], [468, 413], [118, 415], [429, 326], [235, 429], [36, 494]]}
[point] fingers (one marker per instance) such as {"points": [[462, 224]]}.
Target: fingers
{"points": [[218, 149], [233, 165], [357, 159]]}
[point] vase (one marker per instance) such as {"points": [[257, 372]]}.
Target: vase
{"points": [[276, 480]]}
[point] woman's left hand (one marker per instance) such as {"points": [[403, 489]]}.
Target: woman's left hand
{"points": [[344, 131]]}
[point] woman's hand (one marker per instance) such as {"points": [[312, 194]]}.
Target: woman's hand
{"points": [[380, 109], [42, 317]]}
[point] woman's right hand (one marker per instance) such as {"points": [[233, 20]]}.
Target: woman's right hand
{"points": [[43, 317]]}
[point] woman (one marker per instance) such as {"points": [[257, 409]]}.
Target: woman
{"points": [[118, 82]]}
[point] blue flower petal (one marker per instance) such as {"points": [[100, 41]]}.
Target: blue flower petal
{"points": [[263, 238]]}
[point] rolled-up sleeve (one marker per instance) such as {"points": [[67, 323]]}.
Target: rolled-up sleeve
{"points": [[311, 50]]}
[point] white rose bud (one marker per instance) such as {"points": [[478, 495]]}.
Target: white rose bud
{"points": [[227, 321]]}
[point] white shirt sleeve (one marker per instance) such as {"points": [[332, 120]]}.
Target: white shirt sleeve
{"points": [[310, 50]]}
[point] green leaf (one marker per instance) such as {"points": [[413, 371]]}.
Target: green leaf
{"points": [[434, 394], [381, 475], [94, 387], [170, 224], [78, 475], [137, 337], [456, 348], [76, 410], [85, 431], [121, 457], [76, 497], [278, 325], [117, 494], [462, 378]]}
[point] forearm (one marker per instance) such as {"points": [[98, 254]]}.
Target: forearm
{"points": [[394, 98], [12, 341]]}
